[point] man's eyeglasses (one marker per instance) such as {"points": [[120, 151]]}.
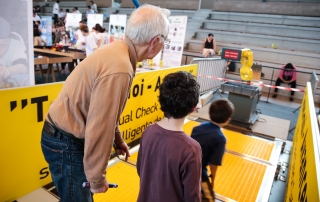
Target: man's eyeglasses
{"points": [[166, 40]]}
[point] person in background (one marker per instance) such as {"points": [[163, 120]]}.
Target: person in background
{"points": [[61, 15], [36, 8], [35, 17], [37, 39], [90, 40], [166, 151], [93, 7], [62, 38], [208, 46], [75, 10], [54, 30], [89, 11], [65, 18], [287, 75], [38, 24], [102, 37], [212, 142], [13, 57], [59, 33], [231, 66], [65, 40], [93, 33], [55, 11], [82, 123], [34, 25], [81, 41]]}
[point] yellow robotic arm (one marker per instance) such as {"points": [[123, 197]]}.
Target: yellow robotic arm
{"points": [[245, 56], [246, 61]]}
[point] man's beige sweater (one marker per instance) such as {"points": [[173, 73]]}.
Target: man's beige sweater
{"points": [[91, 102]]}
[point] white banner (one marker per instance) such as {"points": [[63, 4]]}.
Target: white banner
{"points": [[94, 19], [73, 19], [172, 52], [72, 25], [16, 44], [117, 27]]}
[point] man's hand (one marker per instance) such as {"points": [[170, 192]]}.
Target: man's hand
{"points": [[102, 189], [4, 72], [123, 149]]}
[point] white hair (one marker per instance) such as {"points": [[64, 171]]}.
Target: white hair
{"points": [[147, 22]]}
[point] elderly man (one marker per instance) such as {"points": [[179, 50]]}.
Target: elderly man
{"points": [[82, 123]]}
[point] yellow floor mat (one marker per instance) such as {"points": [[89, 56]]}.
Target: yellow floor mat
{"points": [[134, 157], [239, 179], [240, 143], [128, 180], [252, 146]]}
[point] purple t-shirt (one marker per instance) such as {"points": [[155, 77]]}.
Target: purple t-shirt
{"points": [[169, 166]]}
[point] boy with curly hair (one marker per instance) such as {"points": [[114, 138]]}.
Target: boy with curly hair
{"points": [[169, 161]]}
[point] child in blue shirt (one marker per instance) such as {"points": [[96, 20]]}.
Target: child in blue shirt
{"points": [[212, 142]]}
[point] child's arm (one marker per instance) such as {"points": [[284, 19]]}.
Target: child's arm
{"points": [[213, 169]]}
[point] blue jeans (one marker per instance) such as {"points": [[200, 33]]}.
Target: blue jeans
{"points": [[65, 159]]}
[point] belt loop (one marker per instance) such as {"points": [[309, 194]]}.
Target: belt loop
{"points": [[58, 134]]}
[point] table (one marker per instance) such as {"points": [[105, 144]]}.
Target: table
{"points": [[40, 61], [72, 54], [50, 60], [54, 60]]}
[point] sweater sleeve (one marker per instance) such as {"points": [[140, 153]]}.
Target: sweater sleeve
{"points": [[191, 175], [108, 96]]}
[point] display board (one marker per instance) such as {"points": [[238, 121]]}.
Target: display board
{"points": [[72, 25], [304, 170], [117, 27], [172, 52], [94, 19], [23, 110], [46, 29], [231, 54], [16, 44]]}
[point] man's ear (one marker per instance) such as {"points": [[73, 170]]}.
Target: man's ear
{"points": [[154, 42]]}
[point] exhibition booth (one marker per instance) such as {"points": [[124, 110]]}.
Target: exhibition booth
{"points": [[251, 164]]}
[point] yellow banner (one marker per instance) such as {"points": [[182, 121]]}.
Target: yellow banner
{"points": [[23, 110], [303, 179], [142, 107], [23, 168]]}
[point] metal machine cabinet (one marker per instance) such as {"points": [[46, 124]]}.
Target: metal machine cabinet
{"points": [[245, 99]]}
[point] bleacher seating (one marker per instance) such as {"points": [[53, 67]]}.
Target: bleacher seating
{"points": [[296, 37]]}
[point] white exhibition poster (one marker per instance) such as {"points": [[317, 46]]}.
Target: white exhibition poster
{"points": [[94, 19], [172, 52], [117, 27], [72, 25], [16, 44]]}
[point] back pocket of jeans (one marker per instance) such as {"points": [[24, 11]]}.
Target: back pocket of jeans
{"points": [[54, 158]]}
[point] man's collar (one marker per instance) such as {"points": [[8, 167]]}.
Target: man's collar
{"points": [[132, 53]]}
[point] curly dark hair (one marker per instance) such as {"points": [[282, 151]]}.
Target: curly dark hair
{"points": [[179, 94], [221, 110]]}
